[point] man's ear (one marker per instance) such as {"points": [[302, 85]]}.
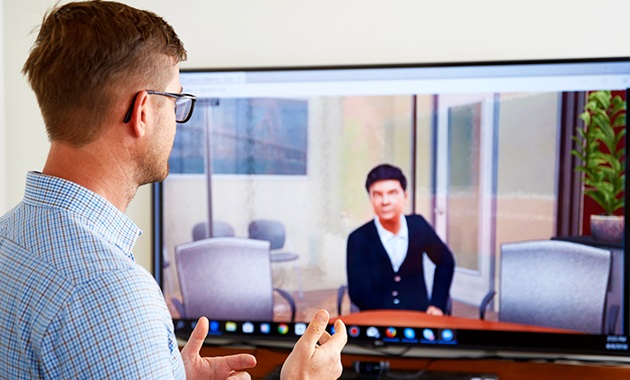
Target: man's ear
{"points": [[139, 115]]}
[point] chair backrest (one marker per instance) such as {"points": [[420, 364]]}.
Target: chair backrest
{"points": [[269, 230], [555, 284], [225, 278], [219, 229]]}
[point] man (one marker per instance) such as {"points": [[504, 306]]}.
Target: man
{"points": [[73, 303], [384, 256]]}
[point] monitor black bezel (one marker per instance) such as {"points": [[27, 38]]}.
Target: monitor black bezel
{"points": [[491, 343]]}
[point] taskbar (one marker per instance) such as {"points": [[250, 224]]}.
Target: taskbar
{"points": [[385, 334], [579, 343]]}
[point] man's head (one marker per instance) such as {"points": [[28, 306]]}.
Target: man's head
{"points": [[387, 188], [90, 58]]}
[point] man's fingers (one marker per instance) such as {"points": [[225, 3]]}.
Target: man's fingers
{"points": [[340, 337], [240, 361], [315, 329], [324, 338], [239, 376], [193, 346]]}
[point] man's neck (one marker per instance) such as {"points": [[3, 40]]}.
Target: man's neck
{"points": [[102, 171], [392, 225]]}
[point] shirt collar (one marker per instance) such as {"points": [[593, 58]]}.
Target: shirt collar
{"points": [[386, 235], [99, 214]]}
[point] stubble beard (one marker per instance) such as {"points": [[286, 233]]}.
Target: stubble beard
{"points": [[153, 165], [153, 168]]}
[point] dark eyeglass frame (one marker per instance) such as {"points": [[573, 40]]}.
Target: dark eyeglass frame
{"points": [[176, 96]]}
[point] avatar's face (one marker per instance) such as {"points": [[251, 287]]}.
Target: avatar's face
{"points": [[388, 199]]}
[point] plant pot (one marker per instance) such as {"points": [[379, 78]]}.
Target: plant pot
{"points": [[607, 228]]}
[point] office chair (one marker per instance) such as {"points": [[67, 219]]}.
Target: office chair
{"points": [[219, 229], [273, 231], [555, 284], [342, 294], [227, 279]]}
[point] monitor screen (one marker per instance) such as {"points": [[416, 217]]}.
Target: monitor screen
{"points": [[500, 229]]}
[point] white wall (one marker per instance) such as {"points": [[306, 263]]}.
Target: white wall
{"points": [[3, 158], [250, 33]]}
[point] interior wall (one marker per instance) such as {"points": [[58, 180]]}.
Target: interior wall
{"points": [[250, 33], [3, 158]]}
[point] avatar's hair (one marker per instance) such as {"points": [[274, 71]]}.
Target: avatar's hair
{"points": [[385, 172]]}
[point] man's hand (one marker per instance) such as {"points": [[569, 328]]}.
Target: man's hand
{"points": [[433, 310], [310, 360], [224, 367]]}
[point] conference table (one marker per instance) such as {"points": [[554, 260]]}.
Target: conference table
{"points": [[406, 318], [269, 359]]}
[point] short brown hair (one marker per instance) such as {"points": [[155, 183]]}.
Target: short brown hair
{"points": [[85, 52], [385, 172]]}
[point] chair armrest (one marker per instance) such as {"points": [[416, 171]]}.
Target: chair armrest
{"points": [[611, 319], [483, 307], [178, 306], [289, 299], [449, 306], [340, 293]]}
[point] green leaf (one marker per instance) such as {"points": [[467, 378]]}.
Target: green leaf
{"points": [[602, 98], [598, 147]]}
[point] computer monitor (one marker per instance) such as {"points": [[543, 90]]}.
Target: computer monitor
{"points": [[487, 151]]}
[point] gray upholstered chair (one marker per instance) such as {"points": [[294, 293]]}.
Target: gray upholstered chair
{"points": [[555, 284], [342, 295], [227, 279], [219, 229], [274, 232]]}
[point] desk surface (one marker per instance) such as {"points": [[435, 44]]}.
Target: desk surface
{"points": [[407, 318], [589, 240], [268, 360]]}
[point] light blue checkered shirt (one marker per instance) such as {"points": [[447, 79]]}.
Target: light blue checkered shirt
{"points": [[73, 303]]}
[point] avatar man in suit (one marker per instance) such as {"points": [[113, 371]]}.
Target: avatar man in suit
{"points": [[384, 256]]}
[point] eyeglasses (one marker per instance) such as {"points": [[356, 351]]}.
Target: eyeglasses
{"points": [[184, 105]]}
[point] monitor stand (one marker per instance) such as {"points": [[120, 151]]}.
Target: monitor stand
{"points": [[394, 374]]}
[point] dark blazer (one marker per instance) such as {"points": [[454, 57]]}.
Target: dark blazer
{"points": [[372, 282]]}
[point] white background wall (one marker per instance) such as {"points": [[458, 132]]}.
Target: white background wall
{"points": [[246, 33], [3, 158]]}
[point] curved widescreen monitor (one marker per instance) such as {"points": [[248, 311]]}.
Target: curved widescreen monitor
{"points": [[267, 182]]}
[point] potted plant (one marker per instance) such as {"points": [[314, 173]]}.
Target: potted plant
{"points": [[599, 146]]}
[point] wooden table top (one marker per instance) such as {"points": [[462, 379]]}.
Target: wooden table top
{"points": [[406, 318]]}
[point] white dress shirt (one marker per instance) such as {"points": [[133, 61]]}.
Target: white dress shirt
{"points": [[395, 245]]}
